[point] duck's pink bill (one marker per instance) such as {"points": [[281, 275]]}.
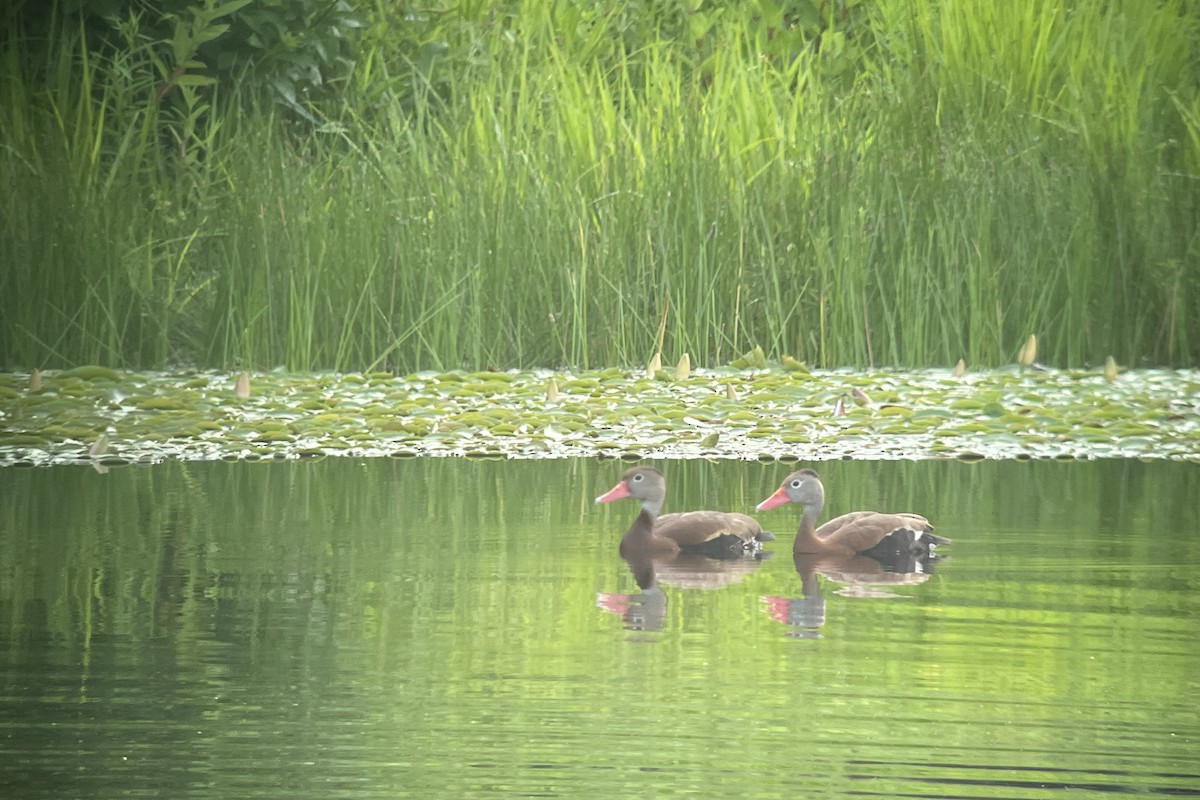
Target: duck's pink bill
{"points": [[615, 493], [779, 498]]}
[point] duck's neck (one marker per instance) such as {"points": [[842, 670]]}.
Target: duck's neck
{"points": [[651, 507], [641, 535], [806, 535], [642, 529]]}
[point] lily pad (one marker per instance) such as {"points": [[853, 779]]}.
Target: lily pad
{"points": [[922, 414]]}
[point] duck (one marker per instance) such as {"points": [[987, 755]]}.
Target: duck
{"points": [[714, 533], [871, 533]]}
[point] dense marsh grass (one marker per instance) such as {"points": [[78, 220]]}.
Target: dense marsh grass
{"points": [[983, 173]]}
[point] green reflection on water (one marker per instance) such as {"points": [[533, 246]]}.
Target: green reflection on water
{"points": [[430, 627]]}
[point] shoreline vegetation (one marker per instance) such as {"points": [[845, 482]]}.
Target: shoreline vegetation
{"points": [[900, 183]]}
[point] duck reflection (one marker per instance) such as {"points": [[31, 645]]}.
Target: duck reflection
{"points": [[692, 550], [647, 610], [857, 575]]}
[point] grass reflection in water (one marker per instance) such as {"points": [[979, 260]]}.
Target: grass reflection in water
{"points": [[430, 627]]}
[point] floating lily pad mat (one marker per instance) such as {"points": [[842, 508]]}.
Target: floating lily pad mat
{"points": [[96, 415]]}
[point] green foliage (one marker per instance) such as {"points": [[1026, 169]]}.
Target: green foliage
{"points": [[297, 52], [301, 49], [522, 183]]}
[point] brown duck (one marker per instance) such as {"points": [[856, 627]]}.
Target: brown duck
{"points": [[715, 533], [882, 536]]}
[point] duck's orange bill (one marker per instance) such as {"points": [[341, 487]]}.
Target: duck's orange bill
{"points": [[615, 493], [779, 498]]}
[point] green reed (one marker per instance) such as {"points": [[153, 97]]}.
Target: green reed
{"points": [[983, 174]]}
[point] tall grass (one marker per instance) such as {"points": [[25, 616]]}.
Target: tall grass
{"points": [[984, 173]]}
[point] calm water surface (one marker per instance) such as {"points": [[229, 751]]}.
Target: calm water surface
{"points": [[451, 628]]}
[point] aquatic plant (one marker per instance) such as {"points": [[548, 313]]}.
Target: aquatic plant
{"points": [[764, 415]]}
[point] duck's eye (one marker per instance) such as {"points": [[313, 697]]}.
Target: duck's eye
{"points": [[796, 484], [639, 476]]}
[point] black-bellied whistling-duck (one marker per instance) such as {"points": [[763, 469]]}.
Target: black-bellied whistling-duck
{"points": [[867, 532], [715, 533]]}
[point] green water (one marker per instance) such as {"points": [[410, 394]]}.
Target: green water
{"points": [[453, 628]]}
